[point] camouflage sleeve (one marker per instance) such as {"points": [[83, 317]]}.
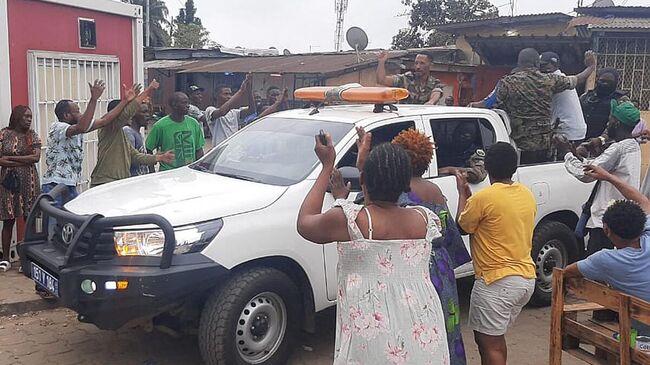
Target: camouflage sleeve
{"points": [[501, 93], [399, 81], [437, 86], [475, 167], [562, 83]]}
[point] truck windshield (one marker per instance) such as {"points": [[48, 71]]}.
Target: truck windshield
{"points": [[274, 150]]}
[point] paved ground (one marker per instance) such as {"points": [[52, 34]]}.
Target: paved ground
{"points": [[55, 337]]}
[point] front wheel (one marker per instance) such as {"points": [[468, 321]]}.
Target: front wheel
{"points": [[551, 244], [251, 320]]}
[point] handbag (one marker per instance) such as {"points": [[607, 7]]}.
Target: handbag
{"points": [[11, 182], [581, 227]]}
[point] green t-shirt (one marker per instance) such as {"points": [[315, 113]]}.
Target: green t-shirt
{"points": [[184, 138]]}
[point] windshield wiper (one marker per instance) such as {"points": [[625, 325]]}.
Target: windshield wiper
{"points": [[240, 177]]}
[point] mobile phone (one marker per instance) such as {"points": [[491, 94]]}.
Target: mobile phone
{"points": [[322, 137]]}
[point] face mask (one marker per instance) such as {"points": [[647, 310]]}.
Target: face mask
{"points": [[604, 88]]}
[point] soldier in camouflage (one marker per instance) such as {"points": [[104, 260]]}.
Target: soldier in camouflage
{"points": [[526, 96], [464, 155], [422, 86]]}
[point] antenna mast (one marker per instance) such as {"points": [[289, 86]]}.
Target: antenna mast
{"points": [[340, 6]]}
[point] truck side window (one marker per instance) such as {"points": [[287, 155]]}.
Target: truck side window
{"points": [[458, 139], [380, 135]]}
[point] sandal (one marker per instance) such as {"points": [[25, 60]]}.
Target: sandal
{"points": [[5, 266]]}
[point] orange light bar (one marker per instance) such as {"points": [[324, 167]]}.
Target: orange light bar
{"points": [[356, 94]]}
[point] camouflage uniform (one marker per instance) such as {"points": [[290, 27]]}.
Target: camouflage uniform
{"points": [[418, 94], [526, 96], [475, 167]]}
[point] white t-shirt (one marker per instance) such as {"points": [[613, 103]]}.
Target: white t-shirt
{"points": [[566, 107], [623, 160], [223, 127]]}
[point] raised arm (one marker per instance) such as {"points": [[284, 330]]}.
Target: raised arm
{"points": [[590, 62], [382, 78], [251, 105], [628, 191], [276, 106], [236, 100], [96, 91], [123, 112]]}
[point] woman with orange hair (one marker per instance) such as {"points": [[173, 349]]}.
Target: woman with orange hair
{"points": [[448, 251]]}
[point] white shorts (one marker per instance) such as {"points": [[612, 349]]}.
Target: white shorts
{"points": [[495, 307]]}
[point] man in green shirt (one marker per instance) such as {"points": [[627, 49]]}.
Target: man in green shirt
{"points": [[179, 133], [115, 154]]}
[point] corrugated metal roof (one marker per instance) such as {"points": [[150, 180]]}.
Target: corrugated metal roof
{"points": [[622, 23], [630, 11], [319, 63], [168, 64], [504, 20]]}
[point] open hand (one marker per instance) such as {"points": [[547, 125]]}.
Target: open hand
{"points": [[461, 184], [338, 187], [167, 157], [364, 143], [597, 172], [96, 89], [325, 152], [132, 92], [590, 58]]}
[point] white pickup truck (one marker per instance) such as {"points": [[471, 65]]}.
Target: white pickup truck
{"points": [[214, 245]]}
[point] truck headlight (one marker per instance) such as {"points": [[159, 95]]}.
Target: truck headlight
{"points": [[191, 238]]}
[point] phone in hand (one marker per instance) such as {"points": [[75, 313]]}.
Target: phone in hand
{"points": [[322, 137]]}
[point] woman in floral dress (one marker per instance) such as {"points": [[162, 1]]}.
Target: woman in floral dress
{"points": [[388, 311], [20, 151], [448, 252]]}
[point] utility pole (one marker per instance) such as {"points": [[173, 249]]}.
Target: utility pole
{"points": [[147, 29], [340, 6]]}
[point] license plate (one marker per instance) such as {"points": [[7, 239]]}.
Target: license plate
{"points": [[45, 279]]}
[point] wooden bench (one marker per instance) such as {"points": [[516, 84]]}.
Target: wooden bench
{"points": [[568, 332]]}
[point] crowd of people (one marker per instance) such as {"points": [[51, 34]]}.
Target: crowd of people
{"points": [[398, 245]]}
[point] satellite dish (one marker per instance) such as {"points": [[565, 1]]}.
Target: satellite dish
{"points": [[357, 38], [286, 52]]}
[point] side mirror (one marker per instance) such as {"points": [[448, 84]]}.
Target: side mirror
{"points": [[351, 174]]}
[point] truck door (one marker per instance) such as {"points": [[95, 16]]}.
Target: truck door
{"points": [[457, 139], [383, 131]]}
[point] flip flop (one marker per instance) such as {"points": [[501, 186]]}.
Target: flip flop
{"points": [[5, 266]]}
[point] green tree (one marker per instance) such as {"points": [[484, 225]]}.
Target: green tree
{"points": [[187, 15], [191, 36], [158, 23], [425, 15]]}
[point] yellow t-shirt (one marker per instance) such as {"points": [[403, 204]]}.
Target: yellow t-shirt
{"points": [[501, 219]]}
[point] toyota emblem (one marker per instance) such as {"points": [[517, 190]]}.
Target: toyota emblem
{"points": [[67, 233]]}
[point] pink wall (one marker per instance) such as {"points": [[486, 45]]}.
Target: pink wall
{"points": [[36, 25]]}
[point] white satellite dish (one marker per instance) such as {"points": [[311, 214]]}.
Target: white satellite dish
{"points": [[286, 52], [357, 39]]}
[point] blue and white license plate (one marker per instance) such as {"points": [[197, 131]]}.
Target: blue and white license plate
{"points": [[45, 279]]}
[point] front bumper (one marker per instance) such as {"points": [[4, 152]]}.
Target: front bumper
{"points": [[155, 284]]}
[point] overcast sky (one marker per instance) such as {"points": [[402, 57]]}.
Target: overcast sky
{"points": [[300, 24]]}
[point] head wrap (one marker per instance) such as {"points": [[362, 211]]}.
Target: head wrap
{"points": [[625, 112]]}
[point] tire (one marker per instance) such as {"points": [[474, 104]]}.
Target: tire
{"points": [[259, 307], [552, 243]]}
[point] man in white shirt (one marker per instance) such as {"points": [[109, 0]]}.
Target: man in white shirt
{"points": [[224, 119], [621, 159], [566, 111]]}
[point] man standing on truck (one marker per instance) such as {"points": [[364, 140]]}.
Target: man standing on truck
{"points": [[177, 132], [422, 86], [500, 220], [622, 159], [526, 96], [566, 112]]}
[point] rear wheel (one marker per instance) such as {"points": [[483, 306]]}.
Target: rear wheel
{"points": [[552, 243], [252, 319]]}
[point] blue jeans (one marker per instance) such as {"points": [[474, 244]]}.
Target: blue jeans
{"points": [[61, 199]]}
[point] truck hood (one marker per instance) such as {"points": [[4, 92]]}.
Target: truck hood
{"points": [[182, 196]]}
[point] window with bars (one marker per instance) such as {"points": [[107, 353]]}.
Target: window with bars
{"points": [[57, 76], [631, 57]]}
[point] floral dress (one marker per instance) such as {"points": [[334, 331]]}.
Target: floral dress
{"points": [[447, 253], [388, 311], [15, 205]]}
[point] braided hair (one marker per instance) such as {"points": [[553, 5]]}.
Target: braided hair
{"points": [[387, 173]]}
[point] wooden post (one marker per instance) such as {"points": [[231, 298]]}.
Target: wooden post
{"points": [[557, 316], [624, 323]]}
